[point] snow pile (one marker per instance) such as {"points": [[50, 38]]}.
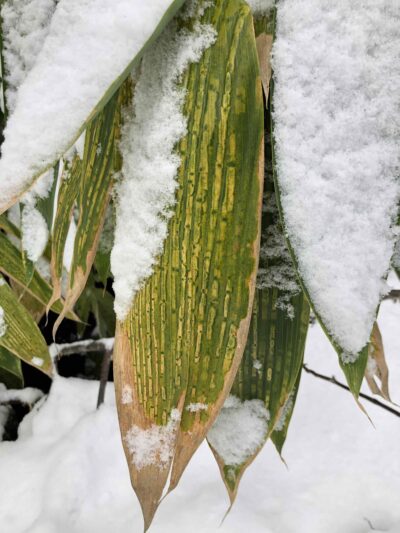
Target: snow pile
{"points": [[276, 270], [155, 445], [337, 131], [239, 430], [25, 27], [88, 45], [153, 127], [3, 324]]}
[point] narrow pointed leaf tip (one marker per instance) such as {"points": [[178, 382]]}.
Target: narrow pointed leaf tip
{"points": [[337, 137], [89, 49], [181, 342]]}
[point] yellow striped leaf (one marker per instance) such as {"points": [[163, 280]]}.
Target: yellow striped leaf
{"points": [[101, 160], [19, 333], [184, 336], [10, 370], [274, 351]]}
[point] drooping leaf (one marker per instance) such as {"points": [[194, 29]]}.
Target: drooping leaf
{"points": [[377, 371], [10, 370], [45, 206], [19, 333], [68, 192], [114, 38], [101, 160], [339, 219], [185, 332], [266, 380], [279, 434]]}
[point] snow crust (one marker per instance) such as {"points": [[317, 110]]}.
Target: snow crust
{"points": [[155, 445], [239, 430], [88, 45], [279, 426], [196, 407], [154, 125], [337, 131]]}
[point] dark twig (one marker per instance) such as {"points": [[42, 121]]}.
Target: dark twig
{"points": [[333, 380], [394, 294], [105, 369]]}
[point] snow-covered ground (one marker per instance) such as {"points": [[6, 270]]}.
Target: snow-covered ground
{"points": [[67, 473]]}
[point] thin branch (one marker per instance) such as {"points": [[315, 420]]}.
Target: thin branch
{"points": [[333, 380], [394, 294], [105, 369], [101, 345]]}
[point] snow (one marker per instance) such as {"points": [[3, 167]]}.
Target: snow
{"points": [[29, 395], [196, 407], [38, 361], [88, 45], [35, 233], [126, 397], [3, 324], [259, 7], [155, 445], [337, 132], [276, 269], [25, 27], [239, 430], [67, 474], [153, 127], [284, 413]]}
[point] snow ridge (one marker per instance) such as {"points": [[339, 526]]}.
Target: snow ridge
{"points": [[153, 127]]}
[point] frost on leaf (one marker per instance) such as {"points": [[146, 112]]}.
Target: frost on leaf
{"points": [[337, 136], [239, 430], [153, 127], [155, 445]]}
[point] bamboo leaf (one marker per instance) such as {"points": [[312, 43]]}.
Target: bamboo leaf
{"points": [[68, 192], [19, 332], [377, 372], [51, 59], [101, 161], [10, 370], [279, 434], [184, 336], [273, 356], [11, 264]]}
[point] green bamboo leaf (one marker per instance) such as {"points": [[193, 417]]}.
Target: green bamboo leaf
{"points": [[279, 434], [67, 194], [19, 333], [185, 333], [45, 206], [266, 379], [11, 264], [10, 370], [36, 168], [9, 227], [353, 370], [101, 160]]}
